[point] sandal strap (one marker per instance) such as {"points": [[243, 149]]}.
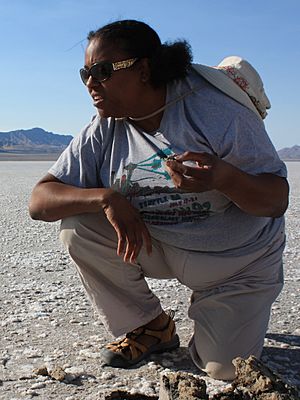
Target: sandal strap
{"points": [[164, 335], [129, 342], [135, 347]]}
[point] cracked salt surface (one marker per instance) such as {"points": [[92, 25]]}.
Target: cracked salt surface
{"points": [[47, 319]]}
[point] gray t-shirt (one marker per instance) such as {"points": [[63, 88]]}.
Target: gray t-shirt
{"points": [[116, 153]]}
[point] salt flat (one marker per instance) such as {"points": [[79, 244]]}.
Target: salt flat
{"points": [[47, 320]]}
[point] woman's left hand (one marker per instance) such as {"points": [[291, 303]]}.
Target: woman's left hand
{"points": [[263, 195], [209, 172]]}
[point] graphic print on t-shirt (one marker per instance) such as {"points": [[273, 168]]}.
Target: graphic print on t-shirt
{"points": [[148, 186], [128, 183]]}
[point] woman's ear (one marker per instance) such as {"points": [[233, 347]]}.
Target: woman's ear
{"points": [[144, 70]]}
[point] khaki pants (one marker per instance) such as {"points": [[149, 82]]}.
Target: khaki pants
{"points": [[230, 304]]}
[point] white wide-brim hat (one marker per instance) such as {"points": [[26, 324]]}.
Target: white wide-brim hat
{"points": [[238, 79]]}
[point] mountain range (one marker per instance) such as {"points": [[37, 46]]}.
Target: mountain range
{"points": [[290, 153], [33, 141], [39, 141]]}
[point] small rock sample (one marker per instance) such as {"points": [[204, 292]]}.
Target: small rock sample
{"points": [[56, 373], [255, 381], [261, 381], [41, 371], [182, 386]]}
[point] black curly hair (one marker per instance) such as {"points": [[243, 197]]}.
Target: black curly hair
{"points": [[168, 62]]}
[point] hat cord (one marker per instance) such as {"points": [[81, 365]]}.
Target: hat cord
{"points": [[170, 103]]}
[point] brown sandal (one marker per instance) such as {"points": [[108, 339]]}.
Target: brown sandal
{"points": [[128, 351]]}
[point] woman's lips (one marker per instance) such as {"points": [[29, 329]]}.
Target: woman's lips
{"points": [[97, 100]]}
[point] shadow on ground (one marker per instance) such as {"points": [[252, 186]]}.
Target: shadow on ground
{"points": [[292, 340]]}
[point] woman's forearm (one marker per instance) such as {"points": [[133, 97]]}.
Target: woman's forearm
{"points": [[51, 201], [264, 195], [260, 195]]}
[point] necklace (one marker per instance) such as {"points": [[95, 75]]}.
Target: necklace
{"points": [[163, 107]]}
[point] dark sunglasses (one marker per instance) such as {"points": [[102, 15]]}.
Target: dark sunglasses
{"points": [[101, 71]]}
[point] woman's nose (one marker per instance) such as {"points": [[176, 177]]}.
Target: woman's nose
{"points": [[92, 82]]}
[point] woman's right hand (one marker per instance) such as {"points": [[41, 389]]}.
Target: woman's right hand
{"points": [[130, 228], [52, 200]]}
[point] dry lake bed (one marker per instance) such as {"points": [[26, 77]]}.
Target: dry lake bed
{"points": [[47, 320]]}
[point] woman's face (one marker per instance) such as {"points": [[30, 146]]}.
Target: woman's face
{"points": [[119, 95]]}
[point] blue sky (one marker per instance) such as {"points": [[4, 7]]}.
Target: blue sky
{"points": [[42, 48]]}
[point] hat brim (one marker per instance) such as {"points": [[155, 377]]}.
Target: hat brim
{"points": [[224, 83]]}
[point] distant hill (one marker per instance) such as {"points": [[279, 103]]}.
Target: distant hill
{"points": [[39, 141], [290, 153], [33, 141]]}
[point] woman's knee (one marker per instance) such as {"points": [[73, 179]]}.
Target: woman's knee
{"points": [[215, 361], [220, 370], [74, 227], [68, 229], [80, 230]]}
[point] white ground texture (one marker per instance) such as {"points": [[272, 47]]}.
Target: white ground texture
{"points": [[46, 319]]}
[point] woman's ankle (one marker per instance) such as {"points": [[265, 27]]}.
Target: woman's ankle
{"points": [[159, 322]]}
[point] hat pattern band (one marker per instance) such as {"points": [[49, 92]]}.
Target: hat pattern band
{"points": [[233, 73]]}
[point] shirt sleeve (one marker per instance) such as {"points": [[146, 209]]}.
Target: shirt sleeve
{"points": [[79, 164], [246, 145]]}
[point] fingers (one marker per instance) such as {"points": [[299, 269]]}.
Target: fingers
{"points": [[121, 241], [132, 245], [190, 179], [174, 168], [131, 241], [142, 238], [131, 230], [201, 158], [187, 183]]}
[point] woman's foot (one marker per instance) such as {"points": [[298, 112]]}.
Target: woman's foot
{"points": [[157, 336]]}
